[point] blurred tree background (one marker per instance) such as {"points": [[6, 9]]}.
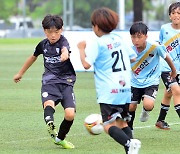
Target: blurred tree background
{"points": [[82, 9]]}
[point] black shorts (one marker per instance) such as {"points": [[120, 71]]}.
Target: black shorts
{"points": [[111, 112], [165, 76], [58, 93], [138, 94]]}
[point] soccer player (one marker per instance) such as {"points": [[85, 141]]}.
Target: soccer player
{"points": [[170, 37], [145, 71], [110, 57], [57, 80]]}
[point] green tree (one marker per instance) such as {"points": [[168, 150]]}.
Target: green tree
{"points": [[39, 8], [8, 8], [83, 10]]}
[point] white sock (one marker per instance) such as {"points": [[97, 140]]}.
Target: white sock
{"points": [[57, 139]]}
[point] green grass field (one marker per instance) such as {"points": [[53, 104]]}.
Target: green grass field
{"points": [[22, 128]]}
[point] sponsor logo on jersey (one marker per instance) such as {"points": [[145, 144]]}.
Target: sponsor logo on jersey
{"points": [[115, 91], [141, 67], [52, 60], [172, 45], [45, 50], [57, 50], [114, 45]]}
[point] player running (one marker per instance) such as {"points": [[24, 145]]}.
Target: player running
{"points": [[145, 71], [110, 57], [170, 37]]}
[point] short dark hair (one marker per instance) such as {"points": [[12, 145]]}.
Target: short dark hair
{"points": [[174, 6], [138, 27], [51, 21], [105, 18]]}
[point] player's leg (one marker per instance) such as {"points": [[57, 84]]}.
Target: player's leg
{"points": [[172, 89], [176, 95], [165, 105], [49, 108], [136, 95], [49, 111], [68, 104], [118, 128], [148, 102], [131, 146], [132, 111]]}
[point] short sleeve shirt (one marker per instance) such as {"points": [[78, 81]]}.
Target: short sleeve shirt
{"points": [[55, 70], [146, 69], [170, 37], [111, 60]]}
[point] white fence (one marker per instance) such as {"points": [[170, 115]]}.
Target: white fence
{"points": [[75, 36]]}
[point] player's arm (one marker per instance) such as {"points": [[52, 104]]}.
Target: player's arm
{"points": [[81, 46], [171, 65], [132, 60], [24, 68], [64, 54]]}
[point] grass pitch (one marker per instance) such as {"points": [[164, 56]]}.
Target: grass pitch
{"points": [[23, 130]]}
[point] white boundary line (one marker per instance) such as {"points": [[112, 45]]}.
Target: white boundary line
{"points": [[177, 123], [82, 134]]}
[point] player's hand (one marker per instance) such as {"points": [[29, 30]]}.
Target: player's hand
{"points": [[17, 78], [173, 74], [81, 45]]}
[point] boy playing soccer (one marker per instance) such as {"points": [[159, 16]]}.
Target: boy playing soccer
{"points": [[57, 80], [170, 37], [145, 71], [111, 60]]}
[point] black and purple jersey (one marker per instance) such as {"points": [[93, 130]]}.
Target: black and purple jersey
{"points": [[55, 70]]}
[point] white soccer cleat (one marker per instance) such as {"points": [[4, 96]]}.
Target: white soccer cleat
{"points": [[134, 147], [144, 116]]}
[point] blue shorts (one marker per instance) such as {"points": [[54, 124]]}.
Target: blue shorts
{"points": [[58, 93]]}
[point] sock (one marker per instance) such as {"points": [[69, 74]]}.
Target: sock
{"points": [[177, 108], [128, 132], [163, 112], [48, 114], [130, 123], [119, 136], [64, 128]]}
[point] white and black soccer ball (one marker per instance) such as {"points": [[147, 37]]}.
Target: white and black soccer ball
{"points": [[93, 124]]}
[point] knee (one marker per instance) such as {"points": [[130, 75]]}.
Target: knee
{"points": [[176, 92], [48, 103], [132, 107], [149, 107], [69, 114]]}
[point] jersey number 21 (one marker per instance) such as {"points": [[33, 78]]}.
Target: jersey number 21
{"points": [[117, 55]]}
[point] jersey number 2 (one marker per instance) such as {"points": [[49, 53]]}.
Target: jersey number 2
{"points": [[114, 67]]}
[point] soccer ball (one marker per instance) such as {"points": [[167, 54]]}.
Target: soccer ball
{"points": [[93, 124]]}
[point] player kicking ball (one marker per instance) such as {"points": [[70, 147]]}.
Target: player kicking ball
{"points": [[57, 80]]}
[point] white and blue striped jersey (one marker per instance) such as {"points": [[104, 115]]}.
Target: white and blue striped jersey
{"points": [[146, 69], [170, 37], [110, 57]]}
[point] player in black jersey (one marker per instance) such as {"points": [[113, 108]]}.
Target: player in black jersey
{"points": [[57, 80]]}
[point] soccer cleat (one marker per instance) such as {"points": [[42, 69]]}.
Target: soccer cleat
{"points": [[65, 144], [134, 147], [162, 125], [51, 129], [144, 116]]}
